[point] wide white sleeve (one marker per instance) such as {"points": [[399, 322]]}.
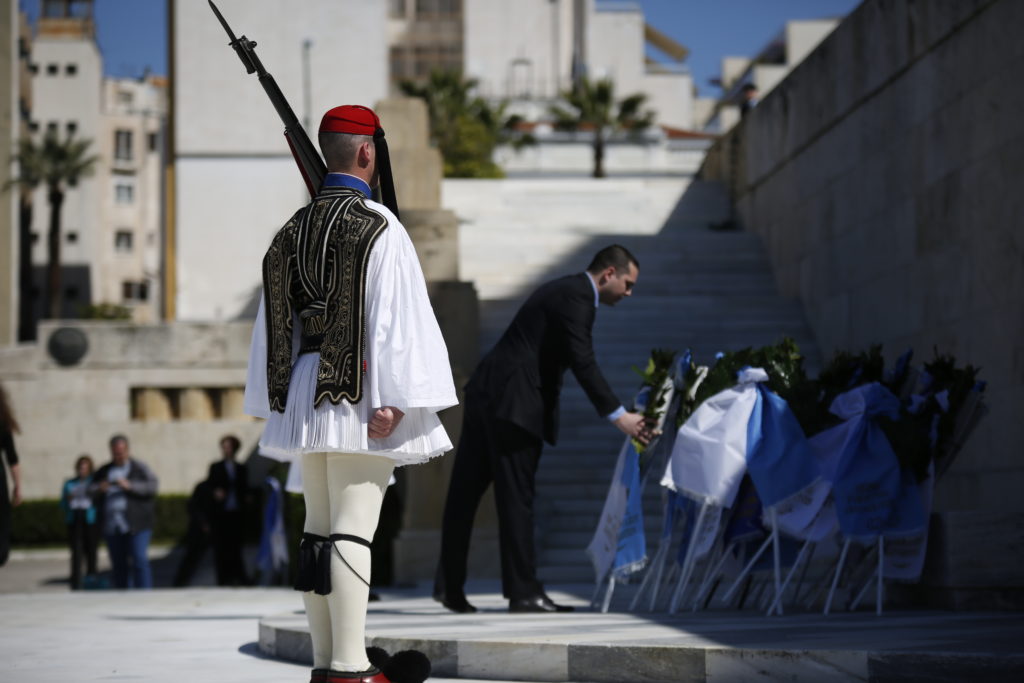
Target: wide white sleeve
{"points": [[256, 402], [407, 359]]}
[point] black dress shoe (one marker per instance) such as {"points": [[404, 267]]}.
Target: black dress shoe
{"points": [[458, 604], [538, 603]]}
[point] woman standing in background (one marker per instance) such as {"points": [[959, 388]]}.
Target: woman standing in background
{"points": [[80, 515], [8, 427]]}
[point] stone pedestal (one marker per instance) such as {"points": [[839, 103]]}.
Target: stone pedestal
{"points": [[425, 487], [435, 234], [416, 166]]}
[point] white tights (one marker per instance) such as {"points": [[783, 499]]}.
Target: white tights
{"points": [[343, 494]]}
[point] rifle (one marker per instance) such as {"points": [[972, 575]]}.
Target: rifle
{"points": [[311, 166]]}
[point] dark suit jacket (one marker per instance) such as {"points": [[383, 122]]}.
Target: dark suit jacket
{"points": [[218, 479], [520, 379]]}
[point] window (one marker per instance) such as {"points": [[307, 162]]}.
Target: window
{"points": [[71, 293], [33, 126], [135, 291], [71, 127], [123, 240], [397, 8], [51, 69], [34, 237], [70, 69], [123, 145], [124, 97], [71, 237], [124, 193], [152, 140], [436, 9], [51, 128], [33, 68]]}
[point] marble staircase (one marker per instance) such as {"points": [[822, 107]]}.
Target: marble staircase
{"points": [[701, 289]]}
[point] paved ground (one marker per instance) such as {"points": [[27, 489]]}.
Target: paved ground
{"points": [[199, 634]]}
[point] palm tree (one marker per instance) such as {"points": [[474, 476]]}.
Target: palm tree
{"points": [[58, 165], [593, 107], [30, 176], [465, 128]]}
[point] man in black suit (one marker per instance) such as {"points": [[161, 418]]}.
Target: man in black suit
{"points": [[229, 485], [511, 408]]}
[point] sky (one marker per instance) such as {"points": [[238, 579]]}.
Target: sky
{"points": [[132, 36]]}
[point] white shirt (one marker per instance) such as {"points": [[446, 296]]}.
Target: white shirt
{"points": [[407, 368]]}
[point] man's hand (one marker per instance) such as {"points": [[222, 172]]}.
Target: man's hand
{"points": [[16, 497], [384, 422], [124, 484], [634, 425]]}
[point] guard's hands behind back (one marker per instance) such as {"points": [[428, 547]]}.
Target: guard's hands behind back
{"points": [[383, 422]]}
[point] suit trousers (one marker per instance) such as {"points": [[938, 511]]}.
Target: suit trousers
{"points": [[491, 449], [228, 534], [84, 540]]}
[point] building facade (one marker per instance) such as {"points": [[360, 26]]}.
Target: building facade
{"points": [[111, 220], [132, 153], [67, 75], [235, 181], [15, 106], [529, 52]]}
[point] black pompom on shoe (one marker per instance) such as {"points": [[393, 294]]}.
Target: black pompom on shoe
{"points": [[407, 666], [378, 656]]}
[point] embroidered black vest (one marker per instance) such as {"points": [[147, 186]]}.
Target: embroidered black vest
{"points": [[316, 268]]}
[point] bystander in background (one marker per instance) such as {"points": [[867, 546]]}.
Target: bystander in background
{"points": [[80, 517], [229, 484], [8, 427], [125, 493]]}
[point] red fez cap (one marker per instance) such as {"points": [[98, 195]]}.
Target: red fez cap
{"points": [[352, 119]]}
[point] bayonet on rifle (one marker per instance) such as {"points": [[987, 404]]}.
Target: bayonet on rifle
{"points": [[310, 164]]}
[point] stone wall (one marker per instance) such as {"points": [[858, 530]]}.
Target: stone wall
{"points": [[884, 176], [172, 389]]}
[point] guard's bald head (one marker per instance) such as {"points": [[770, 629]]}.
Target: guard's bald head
{"points": [[339, 150]]}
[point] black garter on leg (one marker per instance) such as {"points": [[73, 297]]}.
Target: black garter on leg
{"points": [[314, 572], [308, 578]]}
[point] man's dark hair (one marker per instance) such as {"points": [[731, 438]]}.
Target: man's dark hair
{"points": [[233, 440], [748, 87], [615, 255], [118, 437]]}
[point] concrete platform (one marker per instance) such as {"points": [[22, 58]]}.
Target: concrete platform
{"points": [[589, 646]]}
